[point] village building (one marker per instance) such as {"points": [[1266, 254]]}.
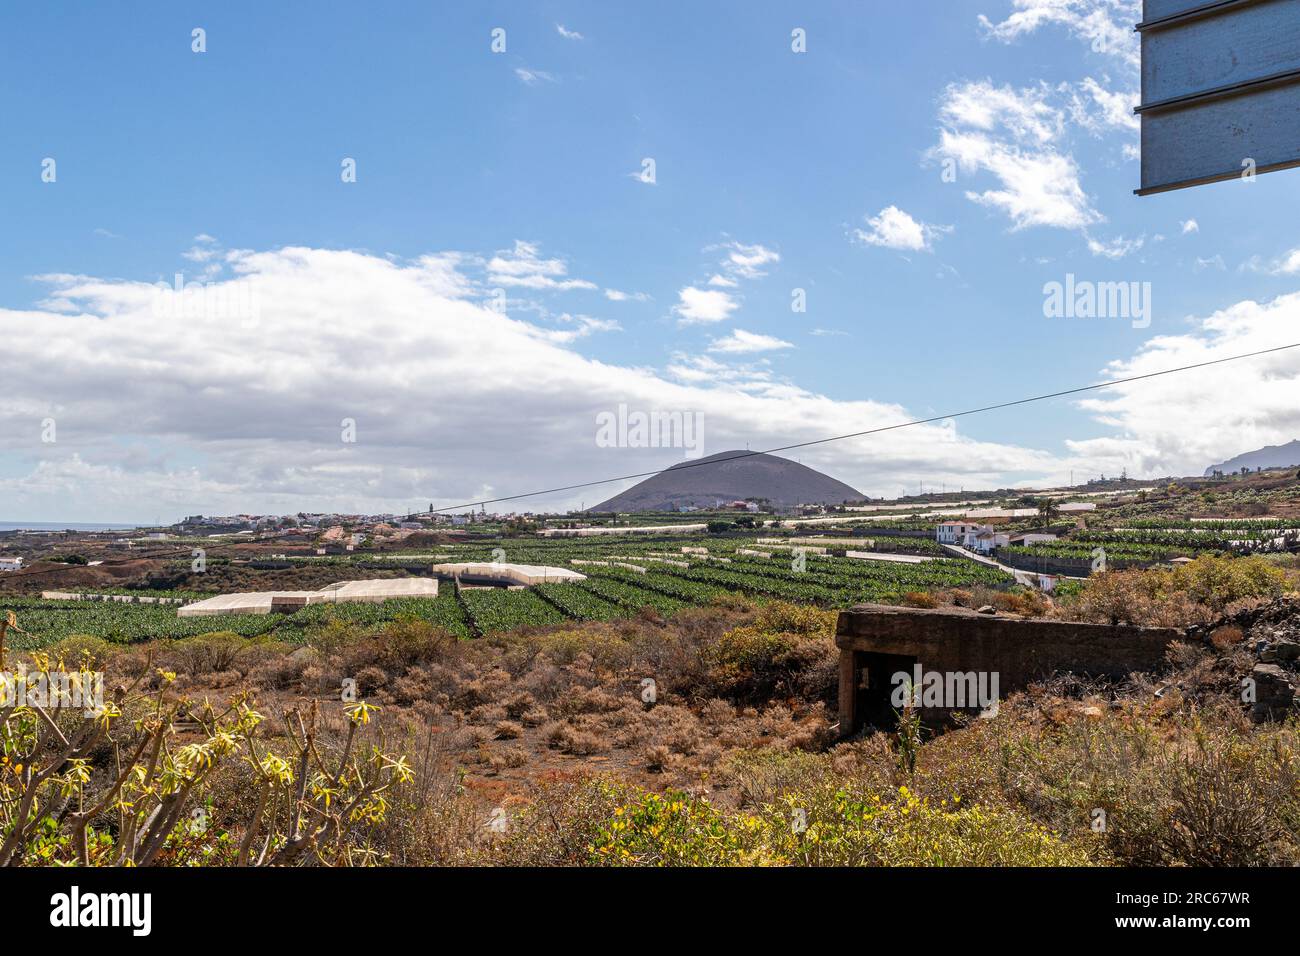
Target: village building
{"points": [[1024, 538], [954, 532]]}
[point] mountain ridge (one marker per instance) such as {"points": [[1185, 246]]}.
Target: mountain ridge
{"points": [[1270, 456], [731, 476]]}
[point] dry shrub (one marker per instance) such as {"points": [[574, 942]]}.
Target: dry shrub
{"points": [[582, 743], [534, 717], [277, 673], [208, 653], [509, 730], [657, 758], [789, 651], [409, 640], [508, 759], [1226, 637], [482, 690], [1026, 602], [762, 777], [370, 679], [487, 714], [1196, 593], [519, 704], [558, 826], [430, 823], [596, 700], [1177, 784]]}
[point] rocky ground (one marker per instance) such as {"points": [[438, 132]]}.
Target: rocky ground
{"points": [[1262, 645]]}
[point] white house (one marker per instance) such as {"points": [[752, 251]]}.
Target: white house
{"points": [[985, 540], [954, 532], [10, 564]]}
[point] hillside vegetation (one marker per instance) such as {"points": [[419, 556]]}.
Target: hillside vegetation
{"points": [[548, 746]]}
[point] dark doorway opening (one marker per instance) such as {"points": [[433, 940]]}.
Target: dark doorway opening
{"points": [[876, 685]]}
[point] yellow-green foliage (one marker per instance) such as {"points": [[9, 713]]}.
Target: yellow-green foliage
{"points": [[1218, 582], [804, 619], [674, 829], [773, 655], [828, 826], [128, 780], [1190, 787], [1195, 592], [902, 828]]}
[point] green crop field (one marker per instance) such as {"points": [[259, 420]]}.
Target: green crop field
{"points": [[675, 577]]}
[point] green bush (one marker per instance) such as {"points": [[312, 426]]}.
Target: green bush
{"points": [[828, 826], [789, 650]]}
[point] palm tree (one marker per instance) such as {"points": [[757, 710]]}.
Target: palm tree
{"points": [[1048, 511]]}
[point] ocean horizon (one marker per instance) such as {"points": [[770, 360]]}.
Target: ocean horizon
{"points": [[65, 526]]}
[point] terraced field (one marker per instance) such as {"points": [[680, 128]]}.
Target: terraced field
{"points": [[47, 622], [679, 572]]}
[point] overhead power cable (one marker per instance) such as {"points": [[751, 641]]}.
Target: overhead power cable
{"points": [[682, 466]]}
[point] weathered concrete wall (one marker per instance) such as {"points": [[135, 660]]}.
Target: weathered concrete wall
{"points": [[878, 640]]}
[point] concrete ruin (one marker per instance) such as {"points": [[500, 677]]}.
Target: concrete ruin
{"points": [[966, 653]]}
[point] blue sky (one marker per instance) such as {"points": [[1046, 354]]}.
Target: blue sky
{"points": [[521, 170]]}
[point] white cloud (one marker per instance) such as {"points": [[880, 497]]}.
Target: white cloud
{"points": [[568, 34], [1098, 109], [578, 327], [740, 341], [199, 254], [618, 295], [894, 229], [1116, 248], [1288, 265], [452, 401], [747, 262], [1180, 424], [523, 267], [1024, 114], [1010, 134], [712, 304], [1105, 25], [533, 77], [1190, 225], [1038, 188], [704, 305], [1022, 136]]}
